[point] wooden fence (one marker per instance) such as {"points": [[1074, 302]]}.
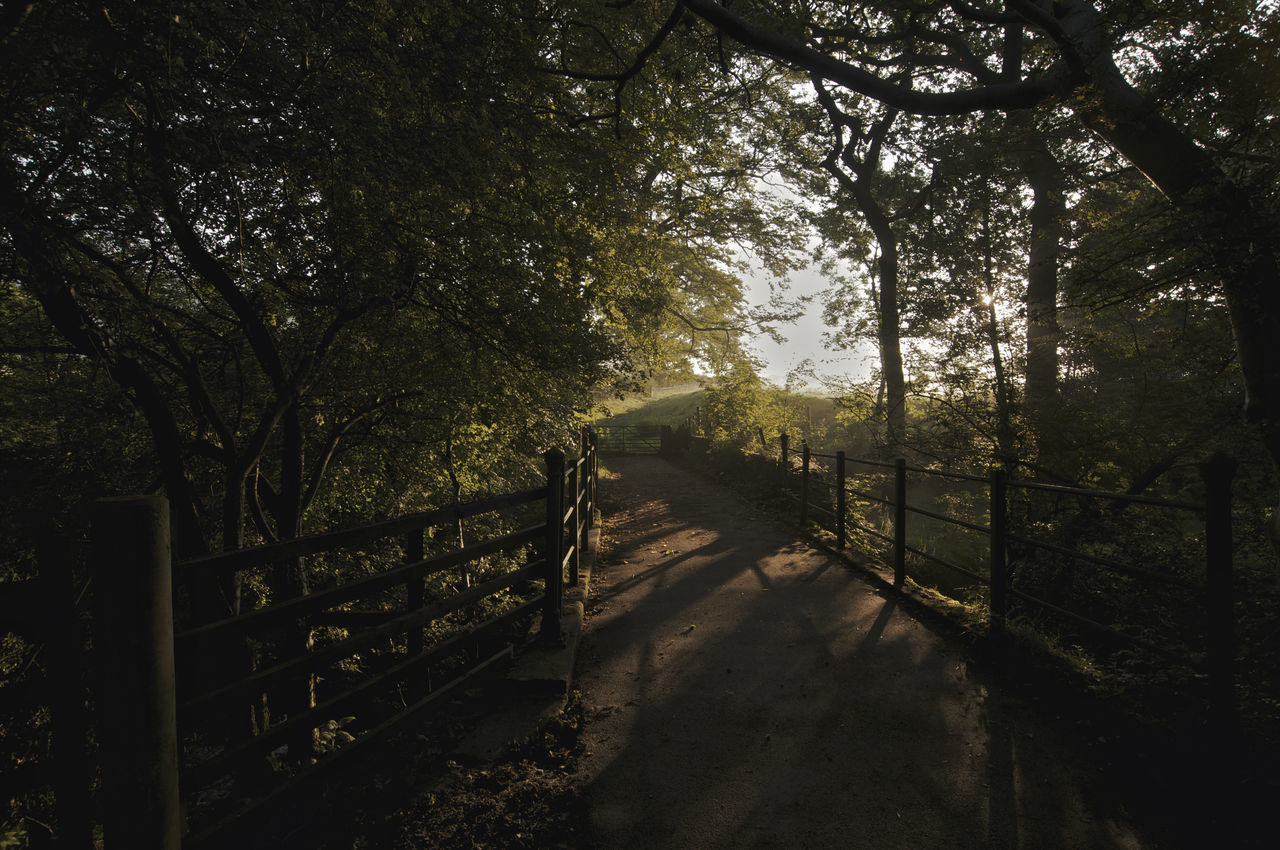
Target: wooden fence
{"points": [[841, 494], [248, 713]]}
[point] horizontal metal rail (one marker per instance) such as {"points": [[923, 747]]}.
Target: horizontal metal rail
{"points": [[982, 529], [1102, 494], [1127, 569], [869, 530], [866, 462], [935, 559], [943, 473], [862, 494], [1154, 648]]}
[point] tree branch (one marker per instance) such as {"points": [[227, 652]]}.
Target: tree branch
{"points": [[206, 264], [772, 41], [331, 447], [637, 64]]}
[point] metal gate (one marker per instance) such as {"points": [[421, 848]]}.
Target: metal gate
{"points": [[628, 439]]}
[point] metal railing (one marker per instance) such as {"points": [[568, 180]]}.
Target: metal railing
{"points": [[838, 493]]}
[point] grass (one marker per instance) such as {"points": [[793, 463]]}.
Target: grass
{"points": [[672, 405], [666, 406]]}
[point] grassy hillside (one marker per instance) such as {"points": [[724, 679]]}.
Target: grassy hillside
{"points": [[667, 406], [672, 405]]}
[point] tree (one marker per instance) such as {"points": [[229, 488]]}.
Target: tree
{"points": [[862, 178], [1077, 56], [285, 232]]}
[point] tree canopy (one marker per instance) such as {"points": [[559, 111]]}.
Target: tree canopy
{"points": [[300, 243], [292, 235]]}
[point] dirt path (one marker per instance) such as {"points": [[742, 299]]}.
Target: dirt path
{"points": [[743, 690]]}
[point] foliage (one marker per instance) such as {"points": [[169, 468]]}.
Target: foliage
{"points": [[319, 265], [300, 265], [745, 413]]}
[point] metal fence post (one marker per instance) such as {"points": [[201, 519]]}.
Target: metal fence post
{"points": [[899, 521], [1218, 473], [554, 547], [840, 500], [138, 706], [999, 575], [804, 484]]}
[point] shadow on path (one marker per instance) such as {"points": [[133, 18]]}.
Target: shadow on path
{"points": [[743, 690]]}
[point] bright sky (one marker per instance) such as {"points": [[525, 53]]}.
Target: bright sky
{"points": [[805, 337]]}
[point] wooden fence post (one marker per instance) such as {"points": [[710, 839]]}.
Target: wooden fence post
{"points": [[575, 525], [999, 574], [584, 506], [899, 521], [554, 547], [840, 500], [784, 459], [595, 473], [137, 701], [1218, 473], [415, 588], [804, 484]]}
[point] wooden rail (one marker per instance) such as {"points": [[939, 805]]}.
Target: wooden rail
{"points": [[367, 656]]}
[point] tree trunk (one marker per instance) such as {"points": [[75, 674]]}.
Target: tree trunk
{"points": [[1004, 413], [289, 579], [1238, 232], [1048, 208], [888, 316]]}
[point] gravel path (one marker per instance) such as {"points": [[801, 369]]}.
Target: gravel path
{"points": [[743, 690]]}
